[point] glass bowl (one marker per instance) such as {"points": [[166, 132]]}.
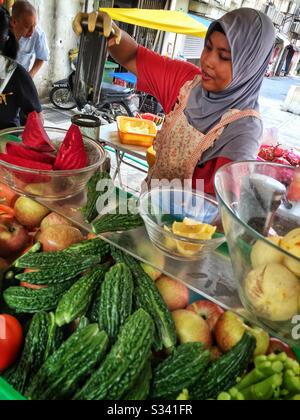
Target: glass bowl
{"points": [[161, 207], [260, 207], [50, 185]]}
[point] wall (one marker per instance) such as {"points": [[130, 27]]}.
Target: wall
{"points": [[55, 18]]}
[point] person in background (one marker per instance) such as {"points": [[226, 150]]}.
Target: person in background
{"points": [[33, 48], [17, 90], [212, 113]]}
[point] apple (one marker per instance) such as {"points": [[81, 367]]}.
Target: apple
{"points": [[152, 272], [13, 238], [191, 328], [174, 293], [59, 237], [54, 219], [29, 212], [277, 346], [230, 329], [210, 311]]}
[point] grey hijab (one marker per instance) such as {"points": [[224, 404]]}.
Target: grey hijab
{"points": [[251, 37]]}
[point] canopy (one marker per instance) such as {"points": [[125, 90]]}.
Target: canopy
{"points": [[162, 20]]}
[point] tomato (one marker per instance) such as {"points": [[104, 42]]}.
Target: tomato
{"points": [[11, 341]]}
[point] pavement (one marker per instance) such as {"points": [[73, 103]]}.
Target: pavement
{"points": [[279, 126]]}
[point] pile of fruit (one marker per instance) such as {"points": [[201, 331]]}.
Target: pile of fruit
{"points": [[278, 154], [37, 152], [71, 305], [157, 119]]}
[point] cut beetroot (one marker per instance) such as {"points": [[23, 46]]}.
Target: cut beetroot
{"points": [[28, 164], [34, 135], [71, 154], [29, 154]]}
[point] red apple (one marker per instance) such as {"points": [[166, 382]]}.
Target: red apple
{"points": [[54, 219], [13, 238], [59, 237], [174, 293], [29, 212], [191, 328], [210, 311], [277, 346]]}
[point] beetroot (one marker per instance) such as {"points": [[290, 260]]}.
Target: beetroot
{"points": [[25, 153]]}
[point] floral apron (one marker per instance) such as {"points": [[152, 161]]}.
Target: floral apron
{"points": [[179, 146]]}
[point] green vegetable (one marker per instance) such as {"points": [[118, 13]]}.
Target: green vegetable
{"points": [[24, 300], [13, 270], [94, 246], [141, 388], [116, 300], [70, 366], [41, 341], [180, 370], [222, 374], [184, 395], [148, 297], [263, 371], [123, 365], [117, 222], [77, 300], [61, 271], [90, 211], [263, 390], [94, 310]]}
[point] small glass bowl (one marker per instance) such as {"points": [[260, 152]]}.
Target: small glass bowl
{"points": [[50, 185], [161, 207]]}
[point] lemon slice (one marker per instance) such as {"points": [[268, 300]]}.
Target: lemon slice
{"points": [[169, 242], [187, 249]]}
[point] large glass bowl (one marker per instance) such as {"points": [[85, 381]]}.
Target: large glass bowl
{"points": [[161, 207], [50, 185], [259, 204]]}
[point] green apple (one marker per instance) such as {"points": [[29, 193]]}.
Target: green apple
{"points": [[29, 213], [191, 328]]}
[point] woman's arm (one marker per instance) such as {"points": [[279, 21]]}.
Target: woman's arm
{"points": [[125, 53]]}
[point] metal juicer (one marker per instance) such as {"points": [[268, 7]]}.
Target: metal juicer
{"points": [[90, 67]]}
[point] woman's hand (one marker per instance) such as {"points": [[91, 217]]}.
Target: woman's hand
{"points": [[109, 26]]}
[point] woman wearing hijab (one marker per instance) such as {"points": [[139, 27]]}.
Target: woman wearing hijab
{"points": [[17, 90], [213, 113]]}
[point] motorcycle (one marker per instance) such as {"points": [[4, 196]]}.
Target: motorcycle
{"points": [[115, 100]]}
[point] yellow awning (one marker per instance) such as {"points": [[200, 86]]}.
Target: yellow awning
{"points": [[162, 20]]}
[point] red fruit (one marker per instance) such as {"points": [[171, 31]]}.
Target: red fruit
{"points": [[278, 151], [25, 153], [13, 237], [294, 189], [266, 153], [282, 161], [35, 136], [292, 158], [11, 340], [208, 311], [277, 346], [8, 197], [71, 154], [28, 164]]}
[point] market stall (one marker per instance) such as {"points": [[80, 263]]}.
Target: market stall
{"points": [[83, 296]]}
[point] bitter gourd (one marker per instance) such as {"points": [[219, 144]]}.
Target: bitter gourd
{"points": [[76, 301], [117, 222], [141, 388], [90, 211], [116, 300], [24, 300], [123, 365], [70, 366], [222, 373], [148, 297], [180, 370]]}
